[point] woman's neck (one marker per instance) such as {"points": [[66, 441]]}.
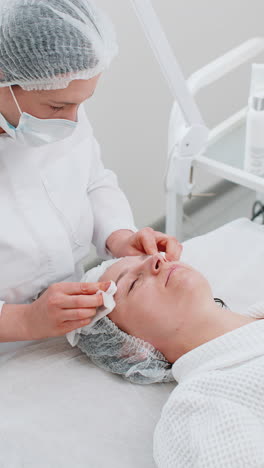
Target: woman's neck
{"points": [[211, 326]]}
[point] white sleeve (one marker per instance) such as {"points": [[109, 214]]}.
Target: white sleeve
{"points": [[1, 306], [204, 432], [110, 207]]}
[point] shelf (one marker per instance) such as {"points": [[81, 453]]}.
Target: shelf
{"points": [[229, 149], [224, 155]]}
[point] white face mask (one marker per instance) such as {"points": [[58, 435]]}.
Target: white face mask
{"points": [[37, 132]]}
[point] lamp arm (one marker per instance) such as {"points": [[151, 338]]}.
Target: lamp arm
{"points": [[167, 61], [191, 134]]}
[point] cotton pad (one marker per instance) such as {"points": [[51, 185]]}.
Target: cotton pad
{"points": [[109, 304]]}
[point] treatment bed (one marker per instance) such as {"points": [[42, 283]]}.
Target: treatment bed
{"points": [[59, 410]]}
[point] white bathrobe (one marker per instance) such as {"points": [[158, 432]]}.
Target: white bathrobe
{"points": [[215, 416]]}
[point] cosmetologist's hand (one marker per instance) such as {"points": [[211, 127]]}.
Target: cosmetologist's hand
{"points": [[147, 241], [63, 307]]}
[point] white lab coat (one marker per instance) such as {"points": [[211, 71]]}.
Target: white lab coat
{"points": [[54, 202]]}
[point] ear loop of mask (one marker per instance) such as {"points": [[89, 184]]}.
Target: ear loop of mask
{"points": [[15, 99]]}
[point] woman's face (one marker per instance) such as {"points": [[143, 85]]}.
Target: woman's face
{"points": [[156, 298], [54, 104]]}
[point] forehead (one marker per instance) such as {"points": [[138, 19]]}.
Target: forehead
{"points": [[77, 90], [114, 271]]}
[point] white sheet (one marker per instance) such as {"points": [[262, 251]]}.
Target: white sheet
{"points": [[59, 410]]}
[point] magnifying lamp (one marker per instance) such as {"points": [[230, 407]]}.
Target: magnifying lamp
{"points": [[189, 134]]}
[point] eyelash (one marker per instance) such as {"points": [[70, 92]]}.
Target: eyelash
{"points": [[56, 108], [132, 286]]}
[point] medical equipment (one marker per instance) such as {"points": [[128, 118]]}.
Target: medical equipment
{"points": [[59, 409], [254, 147], [190, 134], [68, 40], [109, 304], [221, 152]]}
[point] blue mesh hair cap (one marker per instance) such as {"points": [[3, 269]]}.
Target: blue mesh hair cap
{"points": [[115, 351], [46, 44]]}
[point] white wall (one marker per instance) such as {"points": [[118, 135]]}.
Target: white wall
{"points": [[131, 107]]}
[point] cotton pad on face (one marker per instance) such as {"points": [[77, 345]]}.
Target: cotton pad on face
{"points": [[109, 305], [93, 276]]}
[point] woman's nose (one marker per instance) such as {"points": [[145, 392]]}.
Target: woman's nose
{"points": [[157, 262]]}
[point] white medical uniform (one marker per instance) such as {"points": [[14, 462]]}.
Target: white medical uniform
{"points": [[55, 201]]}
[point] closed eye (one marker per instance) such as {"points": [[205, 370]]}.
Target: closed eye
{"points": [[56, 108], [132, 286]]}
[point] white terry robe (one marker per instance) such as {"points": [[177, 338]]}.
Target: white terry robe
{"points": [[215, 416]]}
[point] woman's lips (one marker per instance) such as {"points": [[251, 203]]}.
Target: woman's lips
{"points": [[170, 272]]}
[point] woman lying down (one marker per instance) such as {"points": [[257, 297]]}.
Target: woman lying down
{"points": [[166, 325]]}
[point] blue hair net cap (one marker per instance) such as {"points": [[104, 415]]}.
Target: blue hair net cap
{"points": [[115, 351], [46, 44]]}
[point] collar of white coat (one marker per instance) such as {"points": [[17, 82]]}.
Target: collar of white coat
{"points": [[227, 350]]}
